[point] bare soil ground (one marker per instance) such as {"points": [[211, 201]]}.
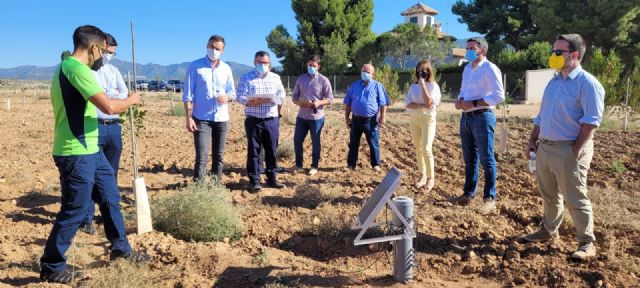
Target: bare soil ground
{"points": [[292, 239]]}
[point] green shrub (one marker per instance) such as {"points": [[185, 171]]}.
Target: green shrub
{"points": [[618, 167], [285, 150], [389, 79], [121, 273], [200, 212], [177, 110], [608, 70]]}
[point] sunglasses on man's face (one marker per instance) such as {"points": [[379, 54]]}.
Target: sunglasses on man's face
{"points": [[559, 52]]}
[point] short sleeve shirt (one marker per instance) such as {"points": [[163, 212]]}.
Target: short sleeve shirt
{"points": [[76, 120]]}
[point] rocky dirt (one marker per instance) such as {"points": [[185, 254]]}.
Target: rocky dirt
{"points": [[286, 242]]}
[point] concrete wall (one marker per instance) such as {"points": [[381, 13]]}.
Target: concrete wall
{"points": [[536, 81]]}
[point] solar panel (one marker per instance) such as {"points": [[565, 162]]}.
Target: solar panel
{"points": [[381, 196]]}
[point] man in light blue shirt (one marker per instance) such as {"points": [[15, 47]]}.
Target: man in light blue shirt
{"points": [[109, 130], [365, 99], [480, 92], [208, 89], [562, 140]]}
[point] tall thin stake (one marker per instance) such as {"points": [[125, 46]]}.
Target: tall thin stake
{"points": [[626, 105], [133, 128]]}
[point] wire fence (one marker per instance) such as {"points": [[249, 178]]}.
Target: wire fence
{"points": [[449, 84]]}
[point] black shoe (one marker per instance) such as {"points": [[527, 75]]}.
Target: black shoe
{"points": [[276, 184], [463, 200], [255, 187], [133, 256], [65, 276], [87, 228]]}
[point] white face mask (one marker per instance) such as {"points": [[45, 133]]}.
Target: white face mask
{"points": [[213, 54], [107, 57]]}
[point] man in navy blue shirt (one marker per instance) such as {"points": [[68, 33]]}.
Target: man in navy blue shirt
{"points": [[365, 99]]}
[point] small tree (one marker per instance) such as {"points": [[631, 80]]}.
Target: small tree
{"points": [[607, 69], [389, 78]]}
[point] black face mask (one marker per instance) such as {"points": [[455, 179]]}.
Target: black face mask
{"points": [[423, 74], [97, 64]]}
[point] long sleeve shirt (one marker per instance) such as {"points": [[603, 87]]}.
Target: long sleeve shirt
{"points": [[110, 79], [252, 84], [482, 83], [203, 84], [312, 88], [569, 103]]}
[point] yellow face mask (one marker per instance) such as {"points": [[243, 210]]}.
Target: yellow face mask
{"points": [[556, 62]]}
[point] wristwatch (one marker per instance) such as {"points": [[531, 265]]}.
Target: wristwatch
{"points": [[475, 103]]}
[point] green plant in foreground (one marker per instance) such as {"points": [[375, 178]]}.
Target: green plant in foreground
{"points": [[200, 212], [618, 167], [138, 117]]}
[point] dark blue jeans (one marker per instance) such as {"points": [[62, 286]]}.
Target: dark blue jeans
{"points": [[368, 126], [304, 126], [110, 143], [261, 133], [212, 135], [477, 137], [78, 176]]}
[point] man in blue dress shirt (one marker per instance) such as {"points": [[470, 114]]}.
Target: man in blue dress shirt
{"points": [[562, 137], [366, 99], [208, 88]]}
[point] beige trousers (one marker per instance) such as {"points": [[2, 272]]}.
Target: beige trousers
{"points": [[423, 131], [563, 179]]}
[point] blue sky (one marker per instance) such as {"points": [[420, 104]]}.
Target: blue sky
{"points": [[34, 32]]}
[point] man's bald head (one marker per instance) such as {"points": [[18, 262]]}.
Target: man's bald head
{"points": [[368, 68]]}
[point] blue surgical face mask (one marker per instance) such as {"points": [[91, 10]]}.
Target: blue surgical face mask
{"points": [[312, 70], [262, 68], [471, 55], [365, 76]]}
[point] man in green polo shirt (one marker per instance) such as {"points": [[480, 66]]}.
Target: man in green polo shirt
{"points": [[75, 95]]}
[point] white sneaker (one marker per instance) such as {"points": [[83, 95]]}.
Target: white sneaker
{"points": [[313, 171], [422, 182], [487, 206], [377, 168], [431, 182], [585, 251]]}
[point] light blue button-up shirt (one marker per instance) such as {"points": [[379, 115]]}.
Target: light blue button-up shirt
{"points": [[203, 84], [482, 83], [569, 103], [366, 100], [110, 79]]}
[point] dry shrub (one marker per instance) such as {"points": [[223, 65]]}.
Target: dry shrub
{"points": [[285, 150], [314, 195], [120, 273], [200, 212], [327, 221]]}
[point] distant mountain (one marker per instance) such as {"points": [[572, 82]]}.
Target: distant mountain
{"points": [[150, 71]]}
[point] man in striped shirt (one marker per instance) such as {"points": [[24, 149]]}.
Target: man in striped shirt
{"points": [[261, 91]]}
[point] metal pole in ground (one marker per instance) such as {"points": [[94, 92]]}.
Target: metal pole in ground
{"points": [[626, 106], [403, 253], [504, 134]]}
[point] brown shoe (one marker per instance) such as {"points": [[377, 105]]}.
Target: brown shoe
{"points": [[541, 236]]}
